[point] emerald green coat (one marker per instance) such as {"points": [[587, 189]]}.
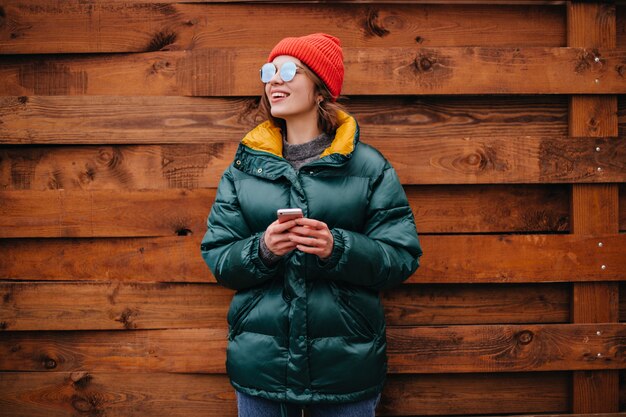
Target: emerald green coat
{"points": [[306, 331]]}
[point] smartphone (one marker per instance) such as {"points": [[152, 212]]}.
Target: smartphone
{"points": [[286, 214]]}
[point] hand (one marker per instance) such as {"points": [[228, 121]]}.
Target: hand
{"points": [[277, 237], [312, 236]]}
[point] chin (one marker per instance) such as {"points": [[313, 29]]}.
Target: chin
{"points": [[278, 113]]}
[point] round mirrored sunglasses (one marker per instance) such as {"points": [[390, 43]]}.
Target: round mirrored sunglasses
{"points": [[287, 71]]}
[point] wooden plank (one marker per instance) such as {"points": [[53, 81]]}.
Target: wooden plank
{"points": [[594, 209], [108, 213], [119, 306], [99, 120], [175, 351], [475, 394], [622, 304], [490, 2], [64, 394], [125, 120], [439, 349], [139, 167], [33, 25], [471, 160], [52, 394], [620, 21], [452, 160], [436, 304], [447, 259], [518, 258], [596, 206], [400, 71], [169, 259], [622, 207], [505, 348], [112, 306], [104, 213]]}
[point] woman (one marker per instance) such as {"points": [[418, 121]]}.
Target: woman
{"points": [[306, 326]]}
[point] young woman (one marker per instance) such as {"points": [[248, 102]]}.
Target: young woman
{"points": [[306, 325]]}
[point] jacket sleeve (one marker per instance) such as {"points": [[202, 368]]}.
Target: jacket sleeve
{"points": [[388, 250], [229, 248]]}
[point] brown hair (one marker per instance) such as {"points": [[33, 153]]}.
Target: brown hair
{"points": [[327, 118]]}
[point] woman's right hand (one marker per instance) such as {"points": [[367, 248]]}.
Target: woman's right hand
{"points": [[277, 237]]}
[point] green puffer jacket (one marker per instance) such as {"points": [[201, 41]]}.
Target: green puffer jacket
{"points": [[306, 331]]}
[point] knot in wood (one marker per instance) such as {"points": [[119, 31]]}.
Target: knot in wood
{"points": [[81, 379], [474, 159], [88, 403], [371, 25], [109, 157], [49, 363], [477, 160], [525, 337], [423, 63]]}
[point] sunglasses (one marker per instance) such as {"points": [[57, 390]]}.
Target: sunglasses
{"points": [[287, 71]]}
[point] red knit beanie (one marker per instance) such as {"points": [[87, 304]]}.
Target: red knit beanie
{"points": [[320, 52]]}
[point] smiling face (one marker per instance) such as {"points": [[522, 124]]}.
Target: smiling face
{"points": [[295, 99]]}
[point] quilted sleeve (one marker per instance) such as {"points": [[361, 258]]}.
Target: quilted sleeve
{"points": [[229, 248], [387, 251]]}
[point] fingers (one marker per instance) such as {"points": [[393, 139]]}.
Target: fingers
{"points": [[283, 248], [312, 236], [306, 240], [276, 238], [278, 227], [308, 235], [316, 224]]}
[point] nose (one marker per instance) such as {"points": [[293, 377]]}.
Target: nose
{"points": [[276, 79]]}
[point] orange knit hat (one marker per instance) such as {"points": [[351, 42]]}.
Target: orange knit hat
{"points": [[320, 52]]}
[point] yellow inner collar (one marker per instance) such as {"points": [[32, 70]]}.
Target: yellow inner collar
{"points": [[268, 138]]}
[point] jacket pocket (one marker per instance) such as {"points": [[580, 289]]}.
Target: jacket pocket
{"points": [[237, 321], [357, 316]]}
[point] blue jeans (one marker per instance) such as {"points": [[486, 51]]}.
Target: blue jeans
{"points": [[250, 406]]}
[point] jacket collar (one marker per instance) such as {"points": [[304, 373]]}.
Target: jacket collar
{"points": [[267, 137]]}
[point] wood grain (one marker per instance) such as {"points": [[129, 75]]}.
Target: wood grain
{"points": [[52, 394], [427, 349], [64, 394], [450, 160], [113, 306], [401, 71], [621, 106], [622, 207], [478, 259], [100, 120], [464, 394], [105, 213], [177, 351], [32, 25], [594, 209], [517, 258], [111, 213], [507, 348], [140, 306]]}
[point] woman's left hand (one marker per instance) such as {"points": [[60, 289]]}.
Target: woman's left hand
{"points": [[312, 236]]}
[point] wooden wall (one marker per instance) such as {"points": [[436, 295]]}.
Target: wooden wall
{"points": [[506, 123]]}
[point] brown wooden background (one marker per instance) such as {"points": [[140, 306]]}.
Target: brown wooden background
{"points": [[506, 122]]}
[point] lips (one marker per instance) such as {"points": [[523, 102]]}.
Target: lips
{"points": [[278, 95]]}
